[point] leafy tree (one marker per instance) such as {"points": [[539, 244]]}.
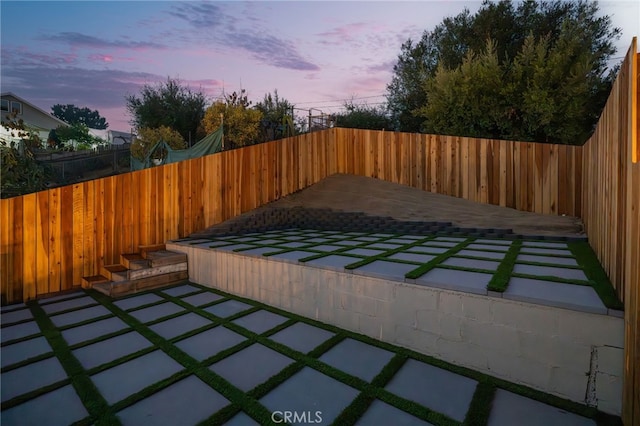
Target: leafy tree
{"points": [[147, 138], [168, 104], [277, 118], [241, 123], [19, 172], [364, 117], [508, 25], [540, 96], [78, 133], [74, 115]]}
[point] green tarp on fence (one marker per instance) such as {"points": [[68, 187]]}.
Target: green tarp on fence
{"points": [[210, 144]]}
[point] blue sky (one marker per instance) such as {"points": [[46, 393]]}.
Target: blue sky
{"points": [[317, 54]]}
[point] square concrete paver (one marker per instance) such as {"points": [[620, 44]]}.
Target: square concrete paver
{"points": [[16, 316], [485, 247], [267, 241], [348, 243], [440, 243], [63, 296], [228, 308], [440, 390], [326, 247], [156, 311], [46, 409], [31, 377], [68, 304], [93, 330], [367, 239], [385, 245], [79, 316], [241, 419], [203, 298], [569, 296], [545, 244], [381, 413], [291, 244], [452, 279], [550, 271], [292, 256], [569, 261], [233, 247], [251, 366], [111, 349], [484, 254], [453, 239], [386, 270], [187, 402], [24, 350], [12, 307], [333, 261], [181, 290], [260, 321], [210, 342], [357, 358], [471, 263], [180, 325], [545, 251], [123, 380], [19, 331], [489, 241], [412, 257], [364, 252], [511, 409], [259, 251], [401, 241], [137, 301], [302, 337], [427, 249], [311, 391]]}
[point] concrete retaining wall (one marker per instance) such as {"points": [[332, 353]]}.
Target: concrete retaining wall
{"points": [[571, 354]]}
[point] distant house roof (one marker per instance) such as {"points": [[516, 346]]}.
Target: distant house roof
{"points": [[29, 118]]}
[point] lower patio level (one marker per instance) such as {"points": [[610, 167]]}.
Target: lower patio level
{"points": [[194, 355]]}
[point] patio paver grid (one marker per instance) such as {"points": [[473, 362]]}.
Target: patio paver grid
{"points": [[559, 274], [162, 372]]}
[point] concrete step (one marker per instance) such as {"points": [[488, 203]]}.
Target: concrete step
{"points": [[133, 261], [155, 271], [117, 289]]}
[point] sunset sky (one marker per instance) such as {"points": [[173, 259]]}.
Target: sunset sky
{"points": [[317, 54]]}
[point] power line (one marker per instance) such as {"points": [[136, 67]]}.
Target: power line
{"points": [[338, 100]]}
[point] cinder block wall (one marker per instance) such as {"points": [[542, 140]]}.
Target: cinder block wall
{"points": [[571, 354]]}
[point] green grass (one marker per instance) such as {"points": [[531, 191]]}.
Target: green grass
{"points": [[596, 274], [500, 280]]}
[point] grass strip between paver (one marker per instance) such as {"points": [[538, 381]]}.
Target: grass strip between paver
{"points": [[500, 280], [596, 274], [418, 272], [91, 398]]}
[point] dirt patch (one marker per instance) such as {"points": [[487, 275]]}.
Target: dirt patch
{"points": [[349, 193]]}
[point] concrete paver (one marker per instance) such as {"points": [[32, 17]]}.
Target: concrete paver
{"points": [[201, 299], [111, 349], [302, 337], [433, 387], [187, 402], [242, 370], [123, 380], [156, 311], [357, 358], [30, 377], [208, 343], [260, 321], [175, 327], [452, 279], [19, 331], [510, 409], [227, 308], [52, 308], [93, 330], [74, 317], [26, 349], [381, 413], [180, 290], [311, 392], [45, 409], [137, 301], [386, 270], [570, 296]]}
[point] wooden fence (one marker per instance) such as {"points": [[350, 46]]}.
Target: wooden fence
{"points": [[611, 210], [51, 239]]}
